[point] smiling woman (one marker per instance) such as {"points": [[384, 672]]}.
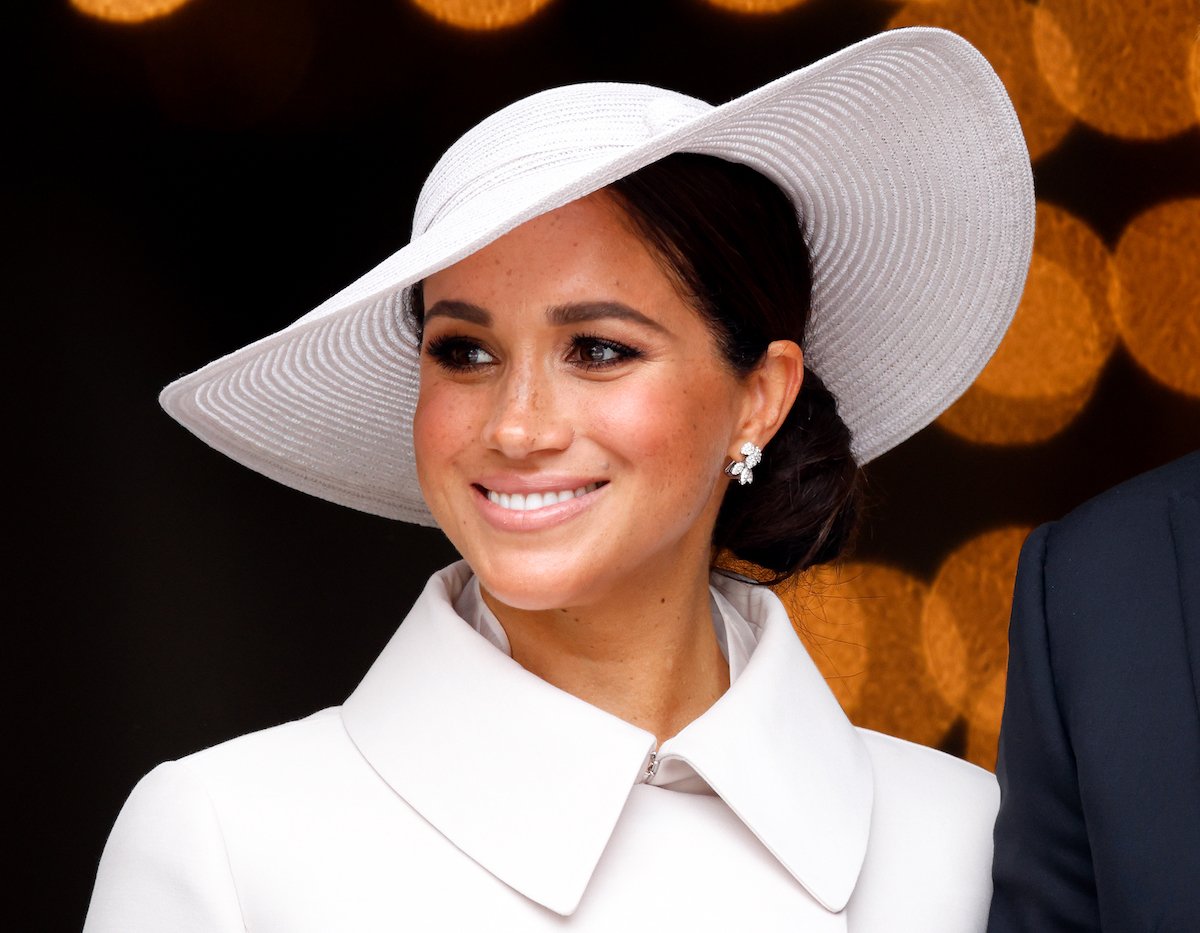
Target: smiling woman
{"points": [[617, 299], [565, 385]]}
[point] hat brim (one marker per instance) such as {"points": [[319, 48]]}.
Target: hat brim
{"points": [[910, 174]]}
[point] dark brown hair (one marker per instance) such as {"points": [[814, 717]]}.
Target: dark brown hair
{"points": [[732, 241]]}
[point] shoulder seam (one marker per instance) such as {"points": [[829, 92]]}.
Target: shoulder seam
{"points": [[216, 814]]}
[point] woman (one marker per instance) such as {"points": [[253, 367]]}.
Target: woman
{"points": [[601, 364]]}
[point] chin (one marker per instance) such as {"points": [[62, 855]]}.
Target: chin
{"points": [[538, 583]]}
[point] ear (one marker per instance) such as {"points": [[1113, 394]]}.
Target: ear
{"points": [[771, 388]]}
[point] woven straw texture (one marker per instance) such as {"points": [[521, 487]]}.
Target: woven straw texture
{"points": [[910, 176]]}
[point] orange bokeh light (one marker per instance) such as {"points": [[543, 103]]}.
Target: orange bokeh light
{"points": [[127, 11], [1053, 345], [1157, 292], [983, 716], [1046, 367], [861, 623], [1121, 67], [756, 6], [481, 14], [1000, 29], [830, 621], [1194, 73], [965, 630]]}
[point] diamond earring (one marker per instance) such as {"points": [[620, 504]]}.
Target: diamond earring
{"points": [[744, 469]]}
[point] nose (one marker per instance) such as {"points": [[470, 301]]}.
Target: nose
{"points": [[527, 415]]}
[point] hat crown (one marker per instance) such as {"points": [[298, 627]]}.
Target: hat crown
{"points": [[535, 143]]}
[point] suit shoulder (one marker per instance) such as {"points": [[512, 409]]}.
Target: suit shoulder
{"points": [[1115, 557], [1139, 498]]}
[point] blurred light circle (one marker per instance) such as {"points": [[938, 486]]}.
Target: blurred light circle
{"points": [[1157, 293], [1053, 344], [861, 623], [756, 6], [1121, 67], [983, 720], [1066, 240], [1194, 72], [944, 651], [965, 621], [1000, 29], [1047, 365], [481, 14], [827, 616], [127, 11], [990, 418]]}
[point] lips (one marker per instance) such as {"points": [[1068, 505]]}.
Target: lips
{"points": [[532, 501]]}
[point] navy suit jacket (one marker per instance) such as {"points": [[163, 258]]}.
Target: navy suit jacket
{"points": [[1099, 763]]}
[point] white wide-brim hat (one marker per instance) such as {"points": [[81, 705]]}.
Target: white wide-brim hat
{"points": [[910, 177]]}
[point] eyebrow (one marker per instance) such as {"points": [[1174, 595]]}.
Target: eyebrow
{"points": [[460, 311], [578, 312], [582, 311]]}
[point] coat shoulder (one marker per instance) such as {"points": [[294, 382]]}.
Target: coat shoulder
{"points": [[309, 766], [930, 846], [930, 783], [172, 860], [288, 748]]}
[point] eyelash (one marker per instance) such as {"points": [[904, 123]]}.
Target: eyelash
{"points": [[448, 352]]}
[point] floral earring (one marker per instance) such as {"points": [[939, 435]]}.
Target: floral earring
{"points": [[744, 469]]}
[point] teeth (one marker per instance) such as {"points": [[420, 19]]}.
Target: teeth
{"points": [[517, 502]]}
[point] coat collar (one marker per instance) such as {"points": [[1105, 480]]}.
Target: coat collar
{"points": [[530, 781]]}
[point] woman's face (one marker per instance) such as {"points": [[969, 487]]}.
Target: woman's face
{"points": [[574, 413]]}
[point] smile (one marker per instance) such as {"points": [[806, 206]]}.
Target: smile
{"points": [[529, 502]]}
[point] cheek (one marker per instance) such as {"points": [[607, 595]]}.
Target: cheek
{"points": [[442, 426], [676, 427]]}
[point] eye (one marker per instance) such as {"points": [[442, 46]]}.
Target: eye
{"points": [[598, 353], [458, 354]]}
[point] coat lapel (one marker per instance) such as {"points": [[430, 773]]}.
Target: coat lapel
{"points": [[780, 752], [530, 781], [525, 779]]}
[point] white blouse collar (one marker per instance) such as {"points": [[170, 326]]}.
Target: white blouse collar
{"points": [[530, 781]]}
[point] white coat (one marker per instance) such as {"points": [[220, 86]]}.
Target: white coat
{"points": [[456, 791]]}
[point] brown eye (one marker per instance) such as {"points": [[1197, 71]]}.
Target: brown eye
{"points": [[596, 353], [458, 353]]}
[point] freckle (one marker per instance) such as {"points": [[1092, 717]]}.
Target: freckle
{"points": [[663, 600]]}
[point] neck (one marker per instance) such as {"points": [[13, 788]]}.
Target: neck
{"points": [[647, 654]]}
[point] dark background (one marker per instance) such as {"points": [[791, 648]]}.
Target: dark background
{"points": [[183, 186]]}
